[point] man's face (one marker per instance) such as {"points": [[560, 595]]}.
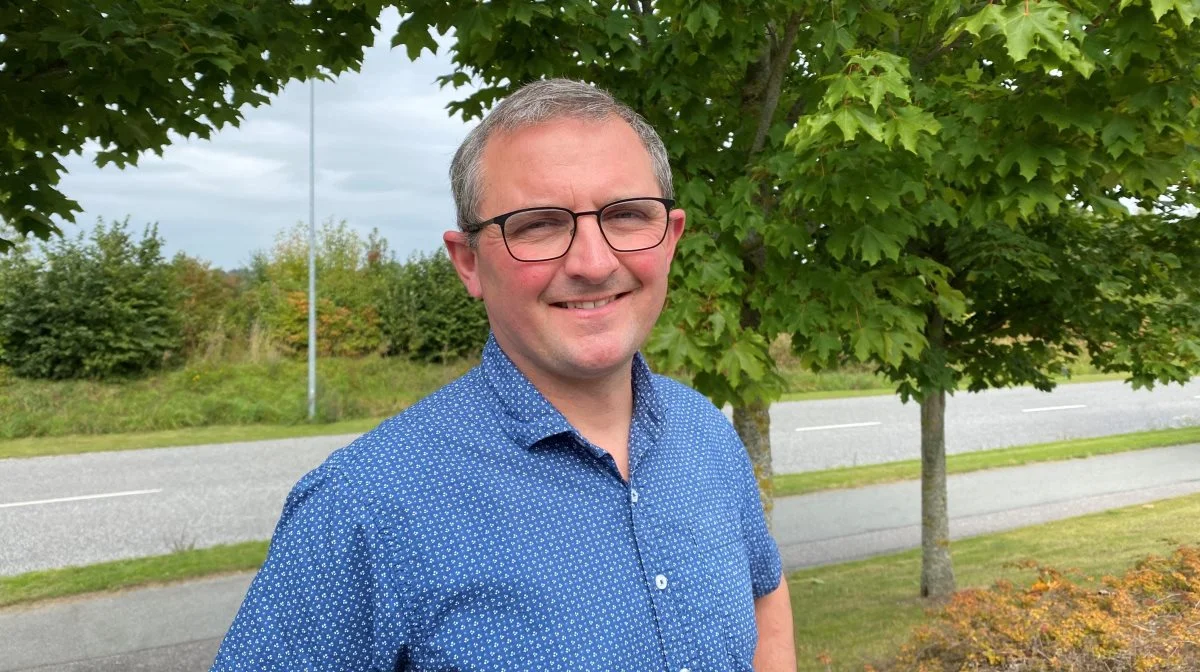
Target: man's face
{"points": [[533, 306]]}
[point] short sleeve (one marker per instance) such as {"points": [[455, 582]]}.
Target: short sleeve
{"points": [[766, 566], [320, 601]]}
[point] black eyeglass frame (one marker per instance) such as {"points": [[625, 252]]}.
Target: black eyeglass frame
{"points": [[499, 220]]}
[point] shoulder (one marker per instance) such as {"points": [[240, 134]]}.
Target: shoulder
{"points": [[682, 403], [384, 462]]}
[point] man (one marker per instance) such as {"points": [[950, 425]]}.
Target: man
{"points": [[558, 507]]}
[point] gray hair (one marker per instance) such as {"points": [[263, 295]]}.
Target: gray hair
{"points": [[536, 103]]}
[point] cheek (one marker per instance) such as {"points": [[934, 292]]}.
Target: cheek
{"points": [[515, 283], [650, 270]]}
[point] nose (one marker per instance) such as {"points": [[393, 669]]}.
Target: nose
{"points": [[590, 258]]}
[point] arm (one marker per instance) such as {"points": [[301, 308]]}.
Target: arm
{"points": [[319, 603], [776, 650]]}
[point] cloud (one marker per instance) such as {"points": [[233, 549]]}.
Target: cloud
{"points": [[384, 141]]}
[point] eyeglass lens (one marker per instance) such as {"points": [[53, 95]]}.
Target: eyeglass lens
{"points": [[536, 235]]}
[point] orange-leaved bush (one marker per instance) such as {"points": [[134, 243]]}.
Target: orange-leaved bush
{"points": [[1145, 621]]}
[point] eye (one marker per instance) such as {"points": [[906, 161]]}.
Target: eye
{"points": [[538, 223]]}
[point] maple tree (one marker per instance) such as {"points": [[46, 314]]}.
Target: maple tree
{"points": [[934, 187], [128, 74]]}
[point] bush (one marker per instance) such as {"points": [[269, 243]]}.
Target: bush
{"points": [[427, 313], [1145, 621], [99, 307], [212, 307], [350, 273]]}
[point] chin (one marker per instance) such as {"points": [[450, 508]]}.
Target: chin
{"points": [[601, 359]]}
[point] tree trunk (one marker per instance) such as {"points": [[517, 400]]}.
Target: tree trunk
{"points": [[937, 572], [753, 424]]}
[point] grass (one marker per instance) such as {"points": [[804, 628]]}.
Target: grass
{"points": [[218, 394], [862, 611], [808, 386], [111, 576], [74, 444], [853, 477]]}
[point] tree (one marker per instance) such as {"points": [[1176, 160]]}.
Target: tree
{"points": [[960, 193], [101, 307], [208, 304], [128, 74], [426, 313], [932, 187], [352, 276]]}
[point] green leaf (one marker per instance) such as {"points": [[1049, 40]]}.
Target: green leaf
{"points": [[1028, 25], [909, 123], [523, 14], [415, 37], [694, 192], [874, 244], [1160, 8], [869, 124], [848, 121]]}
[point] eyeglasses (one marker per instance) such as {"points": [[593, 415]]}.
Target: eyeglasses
{"points": [[542, 234]]}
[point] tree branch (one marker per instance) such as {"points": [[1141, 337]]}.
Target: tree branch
{"points": [[933, 53], [779, 62], [794, 112]]}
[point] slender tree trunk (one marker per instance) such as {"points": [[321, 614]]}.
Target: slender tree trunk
{"points": [[753, 424], [937, 572]]}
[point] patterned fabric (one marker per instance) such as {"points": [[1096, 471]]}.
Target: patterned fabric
{"points": [[479, 531]]}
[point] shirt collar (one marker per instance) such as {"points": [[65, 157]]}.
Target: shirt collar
{"points": [[527, 416]]}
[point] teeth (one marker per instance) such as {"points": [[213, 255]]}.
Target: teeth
{"points": [[588, 304]]}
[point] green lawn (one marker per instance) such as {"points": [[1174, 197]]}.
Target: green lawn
{"points": [[861, 611], [219, 394], [91, 443], [110, 576], [853, 477]]}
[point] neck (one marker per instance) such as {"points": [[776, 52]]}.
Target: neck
{"points": [[594, 402], [600, 408]]}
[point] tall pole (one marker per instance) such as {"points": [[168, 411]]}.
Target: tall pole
{"points": [[312, 250]]}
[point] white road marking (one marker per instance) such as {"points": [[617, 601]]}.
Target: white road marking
{"points": [[81, 498], [852, 424], [1052, 408]]}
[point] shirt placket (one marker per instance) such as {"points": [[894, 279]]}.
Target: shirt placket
{"points": [[658, 568]]}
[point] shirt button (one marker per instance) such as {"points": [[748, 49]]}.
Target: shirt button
{"points": [[633, 495], [684, 669], [661, 582]]}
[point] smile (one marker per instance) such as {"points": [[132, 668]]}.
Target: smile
{"points": [[589, 305]]}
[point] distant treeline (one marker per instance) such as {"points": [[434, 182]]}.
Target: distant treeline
{"points": [[109, 305]]}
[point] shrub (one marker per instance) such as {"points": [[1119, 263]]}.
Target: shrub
{"points": [[1145, 621], [427, 313], [212, 308], [350, 273], [99, 307]]}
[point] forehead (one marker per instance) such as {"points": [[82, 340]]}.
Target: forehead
{"points": [[569, 162]]}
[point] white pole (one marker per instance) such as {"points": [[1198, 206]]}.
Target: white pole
{"points": [[312, 251]]}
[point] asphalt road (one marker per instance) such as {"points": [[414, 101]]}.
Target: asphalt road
{"points": [[82, 509], [841, 525], [177, 628], [809, 436]]}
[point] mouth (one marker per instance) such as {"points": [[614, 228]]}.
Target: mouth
{"points": [[590, 304]]}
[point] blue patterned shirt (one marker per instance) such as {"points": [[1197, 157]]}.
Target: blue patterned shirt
{"points": [[478, 530]]}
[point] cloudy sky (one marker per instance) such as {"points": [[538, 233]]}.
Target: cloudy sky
{"points": [[383, 145]]}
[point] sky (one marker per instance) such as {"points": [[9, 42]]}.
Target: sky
{"points": [[384, 141]]}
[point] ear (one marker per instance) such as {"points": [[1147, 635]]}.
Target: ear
{"points": [[676, 219], [465, 259]]}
